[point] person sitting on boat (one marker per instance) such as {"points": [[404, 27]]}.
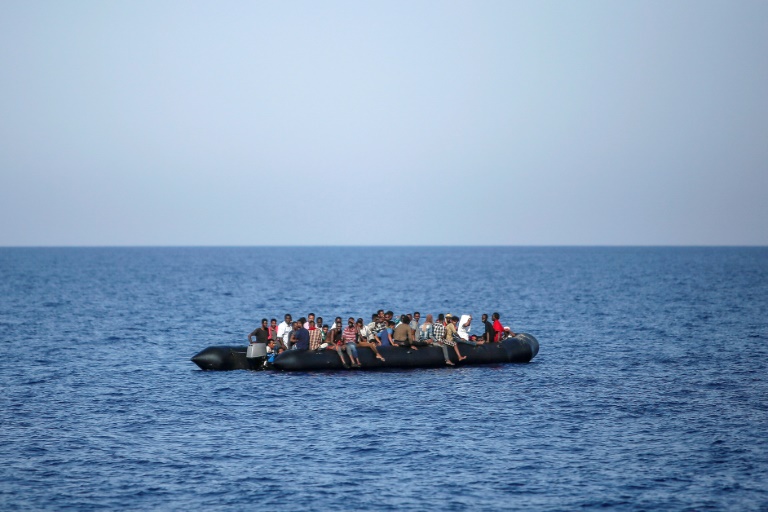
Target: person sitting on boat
{"points": [[450, 330], [464, 326], [385, 335], [403, 335], [489, 334], [508, 333], [438, 338], [426, 329], [260, 334], [415, 325], [300, 335], [373, 324], [315, 336], [334, 341], [366, 338], [498, 329], [349, 336], [324, 332]]}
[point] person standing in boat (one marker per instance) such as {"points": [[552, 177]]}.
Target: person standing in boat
{"points": [[273, 332], [300, 335], [315, 336], [284, 331], [260, 334]]}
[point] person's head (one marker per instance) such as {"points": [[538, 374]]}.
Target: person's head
{"points": [[359, 322], [312, 325], [495, 316], [404, 319], [271, 343], [429, 318], [484, 318], [288, 318], [374, 317], [441, 318], [319, 321], [417, 316], [325, 329], [380, 313], [310, 316], [391, 323], [448, 317], [388, 315], [264, 322], [350, 322], [302, 321], [273, 322], [337, 323], [454, 319]]}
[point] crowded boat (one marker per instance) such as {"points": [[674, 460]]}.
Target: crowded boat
{"points": [[407, 331]]}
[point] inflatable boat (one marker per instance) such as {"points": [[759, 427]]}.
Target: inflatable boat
{"points": [[518, 349]]}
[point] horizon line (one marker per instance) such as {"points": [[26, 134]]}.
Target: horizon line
{"points": [[339, 246]]}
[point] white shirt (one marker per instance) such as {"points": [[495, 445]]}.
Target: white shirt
{"points": [[284, 331], [462, 331]]}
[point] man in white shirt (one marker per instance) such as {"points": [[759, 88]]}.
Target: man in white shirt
{"points": [[284, 331]]}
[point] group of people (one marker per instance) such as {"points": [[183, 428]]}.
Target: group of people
{"points": [[311, 333]]}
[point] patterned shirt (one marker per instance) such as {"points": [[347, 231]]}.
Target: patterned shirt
{"points": [[349, 335], [315, 339], [438, 331]]}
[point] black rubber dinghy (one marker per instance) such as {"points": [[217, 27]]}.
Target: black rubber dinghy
{"points": [[519, 349]]}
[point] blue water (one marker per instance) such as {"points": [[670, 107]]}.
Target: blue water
{"points": [[650, 391]]}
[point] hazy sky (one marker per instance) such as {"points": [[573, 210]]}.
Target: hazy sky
{"points": [[383, 123]]}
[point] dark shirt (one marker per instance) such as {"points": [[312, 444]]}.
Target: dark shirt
{"points": [[489, 329], [302, 339], [261, 335]]}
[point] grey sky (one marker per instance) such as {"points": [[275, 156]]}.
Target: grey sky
{"points": [[394, 123]]}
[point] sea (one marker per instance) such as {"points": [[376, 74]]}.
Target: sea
{"points": [[649, 392]]}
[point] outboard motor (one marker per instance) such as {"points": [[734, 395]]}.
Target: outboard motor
{"points": [[256, 350], [256, 355]]}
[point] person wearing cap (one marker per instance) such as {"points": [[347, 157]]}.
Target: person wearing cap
{"points": [[447, 333]]}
